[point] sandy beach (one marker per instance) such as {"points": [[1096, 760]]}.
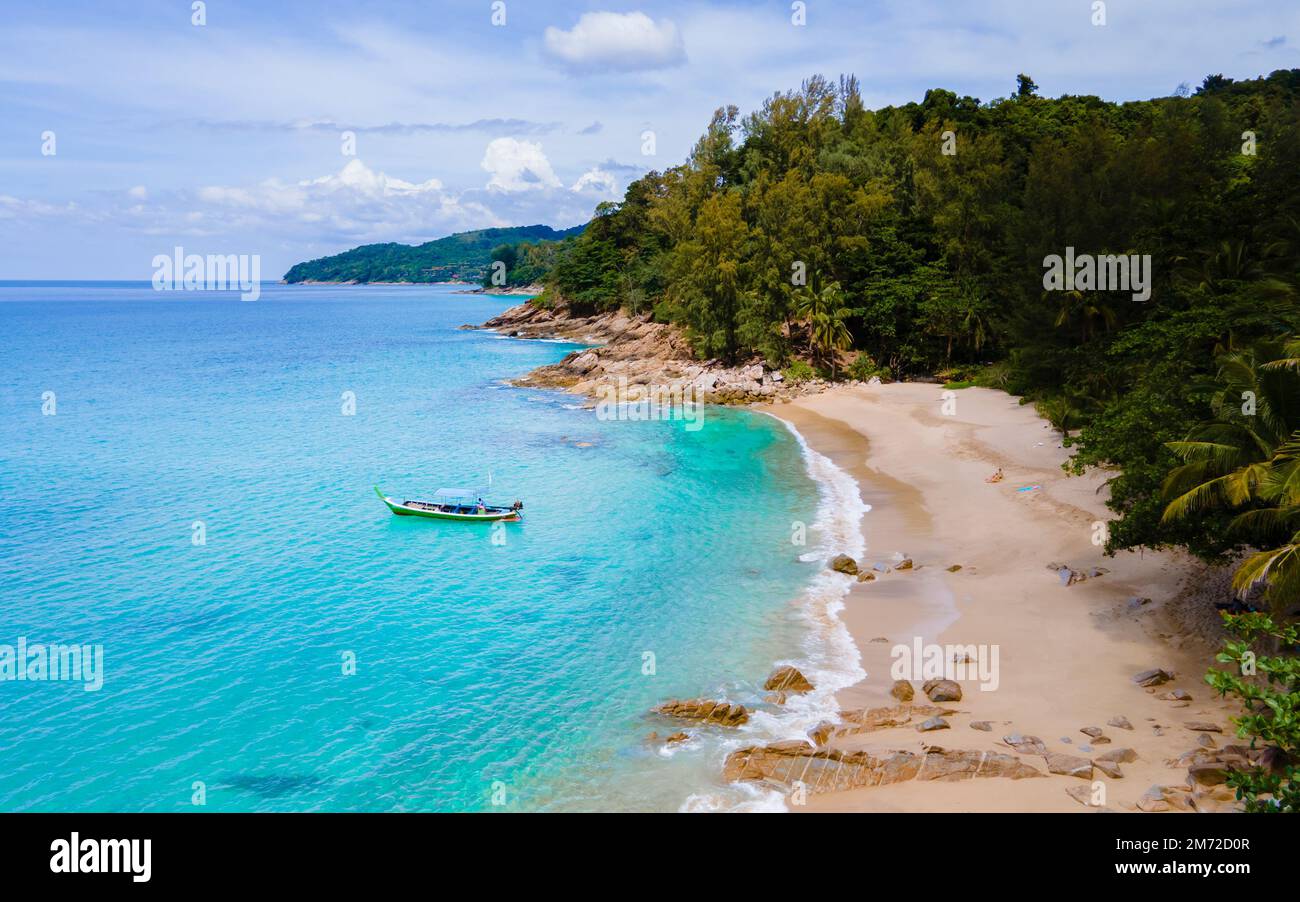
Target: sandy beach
{"points": [[1067, 655]]}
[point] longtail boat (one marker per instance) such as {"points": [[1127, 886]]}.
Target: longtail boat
{"points": [[454, 504]]}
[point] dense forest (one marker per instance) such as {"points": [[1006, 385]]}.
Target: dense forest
{"points": [[463, 257], [911, 242]]}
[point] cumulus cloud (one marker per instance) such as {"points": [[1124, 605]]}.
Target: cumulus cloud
{"points": [[518, 166], [628, 41], [356, 203], [596, 181]]}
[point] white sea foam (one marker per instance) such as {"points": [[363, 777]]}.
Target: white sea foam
{"points": [[830, 660]]}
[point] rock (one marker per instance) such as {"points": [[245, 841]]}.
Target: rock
{"points": [[880, 567], [1136, 602], [1069, 577], [1109, 768], [1119, 756], [983, 725], [1152, 677], [934, 723], [821, 733], [866, 576], [1094, 732], [1205, 740], [1101, 740], [585, 363], [942, 691], [1153, 800], [1069, 765], [1211, 773], [1120, 721], [1098, 571], [904, 564], [872, 719], [788, 679], [954, 568], [842, 563], [706, 710], [1202, 726], [1177, 695], [1025, 745], [678, 737], [903, 691], [1081, 794]]}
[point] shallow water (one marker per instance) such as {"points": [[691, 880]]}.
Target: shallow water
{"points": [[514, 671]]}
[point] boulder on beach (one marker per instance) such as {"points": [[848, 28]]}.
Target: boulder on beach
{"points": [[788, 679], [934, 723], [842, 563], [903, 691], [1153, 677], [1025, 745], [904, 564], [1119, 756], [942, 691], [1109, 768], [1069, 765], [706, 710], [1120, 721]]}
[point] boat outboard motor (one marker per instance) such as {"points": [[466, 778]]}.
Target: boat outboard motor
{"points": [[517, 506]]}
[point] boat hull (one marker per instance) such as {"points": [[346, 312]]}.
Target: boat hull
{"points": [[505, 515]]}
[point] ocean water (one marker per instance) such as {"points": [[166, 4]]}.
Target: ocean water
{"points": [[315, 653]]}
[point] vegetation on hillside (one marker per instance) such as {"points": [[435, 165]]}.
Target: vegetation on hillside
{"points": [[463, 257], [911, 240]]}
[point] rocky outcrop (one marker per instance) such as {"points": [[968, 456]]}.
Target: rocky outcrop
{"points": [[788, 679], [704, 710], [634, 351], [869, 720], [783, 764]]}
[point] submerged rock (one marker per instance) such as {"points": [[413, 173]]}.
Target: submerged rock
{"points": [[706, 710], [788, 679]]}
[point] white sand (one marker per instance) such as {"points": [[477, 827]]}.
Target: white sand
{"points": [[1066, 655]]}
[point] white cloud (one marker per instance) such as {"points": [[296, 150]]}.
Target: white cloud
{"points": [[596, 181], [518, 166], [617, 41]]}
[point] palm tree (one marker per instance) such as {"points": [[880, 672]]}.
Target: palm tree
{"points": [[1091, 309], [1247, 459], [825, 312], [829, 334]]}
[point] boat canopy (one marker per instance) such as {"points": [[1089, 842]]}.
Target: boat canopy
{"points": [[455, 494]]}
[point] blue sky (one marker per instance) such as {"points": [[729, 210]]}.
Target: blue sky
{"points": [[227, 137]]}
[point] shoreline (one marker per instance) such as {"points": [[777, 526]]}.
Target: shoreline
{"points": [[987, 571], [1067, 654]]}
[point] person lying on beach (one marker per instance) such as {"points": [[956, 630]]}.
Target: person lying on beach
{"points": [[996, 477]]}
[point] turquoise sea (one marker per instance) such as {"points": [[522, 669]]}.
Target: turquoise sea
{"points": [[653, 562]]}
